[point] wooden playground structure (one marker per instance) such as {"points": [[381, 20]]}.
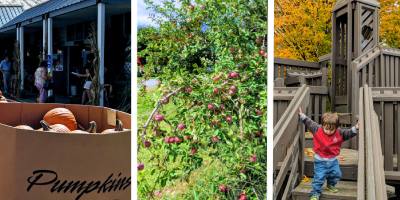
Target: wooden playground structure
{"points": [[364, 86]]}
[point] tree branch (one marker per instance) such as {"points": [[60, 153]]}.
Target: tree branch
{"points": [[155, 110]]}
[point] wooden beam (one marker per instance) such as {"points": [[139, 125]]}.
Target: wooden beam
{"points": [[297, 63]]}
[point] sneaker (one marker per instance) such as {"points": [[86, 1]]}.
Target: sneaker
{"points": [[314, 197], [331, 188]]}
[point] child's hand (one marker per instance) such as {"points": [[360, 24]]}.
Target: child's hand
{"points": [[300, 111]]}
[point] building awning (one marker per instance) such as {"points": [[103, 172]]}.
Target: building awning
{"points": [[54, 8], [7, 13]]}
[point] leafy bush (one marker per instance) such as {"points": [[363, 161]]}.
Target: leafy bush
{"points": [[210, 110]]}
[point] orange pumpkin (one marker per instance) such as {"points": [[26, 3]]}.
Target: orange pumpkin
{"points": [[118, 127], [92, 128], [58, 128], [61, 116], [24, 127]]}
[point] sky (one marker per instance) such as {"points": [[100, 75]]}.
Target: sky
{"points": [[143, 18]]}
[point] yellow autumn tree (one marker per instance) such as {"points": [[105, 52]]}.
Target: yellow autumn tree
{"points": [[303, 28], [390, 22]]}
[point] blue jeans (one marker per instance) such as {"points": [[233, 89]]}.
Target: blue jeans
{"points": [[6, 81], [328, 170]]}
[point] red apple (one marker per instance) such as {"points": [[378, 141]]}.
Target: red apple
{"points": [[171, 140], [159, 117], [215, 90], [140, 166], [193, 151], [259, 134], [253, 158], [210, 106], [261, 52], [188, 89], [223, 188], [259, 112], [215, 139], [243, 196], [177, 140], [228, 119], [147, 144], [181, 126], [233, 75]]}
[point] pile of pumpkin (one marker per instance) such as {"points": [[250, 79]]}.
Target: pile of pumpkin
{"points": [[62, 120]]}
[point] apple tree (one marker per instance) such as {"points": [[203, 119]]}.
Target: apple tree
{"points": [[210, 57]]}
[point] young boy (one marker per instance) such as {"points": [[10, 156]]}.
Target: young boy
{"points": [[327, 140]]}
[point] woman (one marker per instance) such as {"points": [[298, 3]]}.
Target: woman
{"points": [[40, 81]]}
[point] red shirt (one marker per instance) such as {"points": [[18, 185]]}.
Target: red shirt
{"points": [[327, 146]]}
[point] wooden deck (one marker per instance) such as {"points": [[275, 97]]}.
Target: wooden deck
{"points": [[347, 191], [348, 160]]}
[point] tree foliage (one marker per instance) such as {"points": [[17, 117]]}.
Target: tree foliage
{"points": [[303, 28], [211, 61], [390, 22]]}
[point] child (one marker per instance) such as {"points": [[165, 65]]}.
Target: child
{"points": [[327, 140]]}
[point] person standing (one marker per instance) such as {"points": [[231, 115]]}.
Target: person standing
{"points": [[87, 86], [5, 68], [40, 81]]}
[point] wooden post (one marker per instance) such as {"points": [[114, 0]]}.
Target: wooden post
{"points": [[21, 55], [101, 20]]}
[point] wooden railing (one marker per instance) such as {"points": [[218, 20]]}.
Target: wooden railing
{"points": [[288, 145], [317, 101], [387, 106], [378, 67], [282, 66], [371, 176]]}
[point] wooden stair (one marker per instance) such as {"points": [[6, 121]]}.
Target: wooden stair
{"points": [[348, 161], [347, 191]]}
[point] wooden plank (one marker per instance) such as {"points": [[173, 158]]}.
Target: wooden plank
{"points": [[387, 71], [392, 72], [317, 111], [392, 175], [377, 74], [364, 76], [297, 63], [340, 100], [381, 124], [369, 151], [275, 111], [396, 72], [395, 136], [388, 122], [361, 150], [324, 103], [398, 137], [321, 90], [291, 180], [301, 130], [301, 97], [282, 106], [286, 165], [382, 70], [370, 73], [379, 171]]}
